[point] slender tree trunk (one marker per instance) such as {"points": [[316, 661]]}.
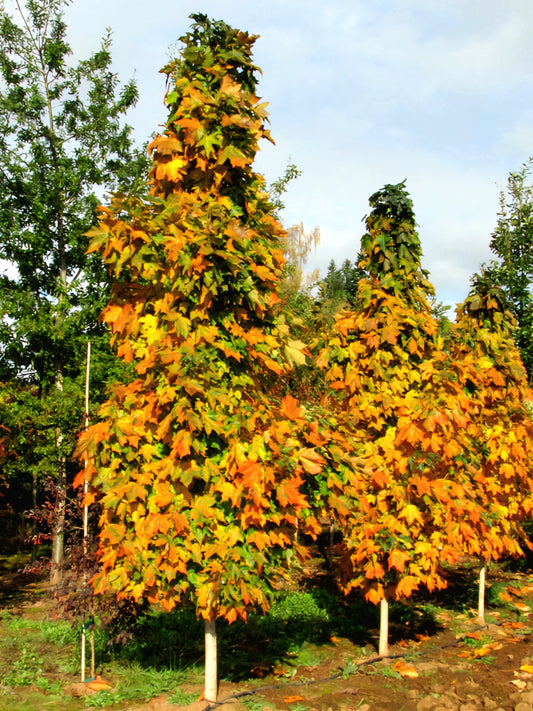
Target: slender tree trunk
{"points": [[58, 535], [33, 529], [383, 649], [58, 532], [211, 663], [481, 594]]}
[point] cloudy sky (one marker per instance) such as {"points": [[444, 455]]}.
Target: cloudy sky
{"points": [[363, 93]]}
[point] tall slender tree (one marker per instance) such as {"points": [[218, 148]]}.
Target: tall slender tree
{"points": [[62, 144], [202, 469], [393, 389]]}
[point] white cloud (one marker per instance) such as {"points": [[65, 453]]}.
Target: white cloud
{"points": [[361, 94]]}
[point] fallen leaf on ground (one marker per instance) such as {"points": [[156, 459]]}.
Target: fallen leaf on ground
{"points": [[481, 652], [292, 699], [407, 671], [523, 608], [527, 668], [472, 635], [513, 625], [521, 685], [99, 684]]}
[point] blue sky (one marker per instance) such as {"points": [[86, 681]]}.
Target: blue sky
{"points": [[363, 93]]}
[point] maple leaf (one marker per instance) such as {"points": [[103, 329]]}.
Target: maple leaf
{"points": [[165, 145], [406, 585], [291, 408], [374, 594], [397, 559], [406, 671], [411, 513], [381, 478], [288, 492], [295, 352], [172, 170], [373, 570], [311, 461]]}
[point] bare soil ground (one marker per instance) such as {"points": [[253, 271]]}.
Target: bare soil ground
{"points": [[454, 664]]}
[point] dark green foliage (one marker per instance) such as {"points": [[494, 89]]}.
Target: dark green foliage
{"points": [[279, 187], [63, 143], [339, 287], [391, 245], [512, 243]]}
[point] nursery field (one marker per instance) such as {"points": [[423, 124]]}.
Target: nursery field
{"points": [[313, 651]]}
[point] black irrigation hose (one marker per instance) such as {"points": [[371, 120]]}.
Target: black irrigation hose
{"points": [[337, 675]]}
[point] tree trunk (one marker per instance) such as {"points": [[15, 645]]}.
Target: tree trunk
{"points": [[383, 649], [211, 681], [33, 528], [58, 535], [58, 531], [481, 594]]}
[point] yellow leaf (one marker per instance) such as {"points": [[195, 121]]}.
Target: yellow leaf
{"points": [[527, 668], [295, 352], [411, 513], [171, 170]]}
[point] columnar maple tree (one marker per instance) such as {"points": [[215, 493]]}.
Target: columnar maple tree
{"points": [[503, 446], [393, 388], [198, 467]]}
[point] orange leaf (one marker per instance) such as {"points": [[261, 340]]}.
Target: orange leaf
{"points": [[99, 684], [291, 408], [407, 671], [292, 699], [398, 559], [380, 478], [513, 625], [406, 586], [311, 461]]}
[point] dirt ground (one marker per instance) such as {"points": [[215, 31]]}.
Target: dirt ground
{"points": [[458, 666], [435, 674]]}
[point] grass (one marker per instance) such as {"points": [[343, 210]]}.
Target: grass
{"points": [[134, 682], [163, 653]]}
